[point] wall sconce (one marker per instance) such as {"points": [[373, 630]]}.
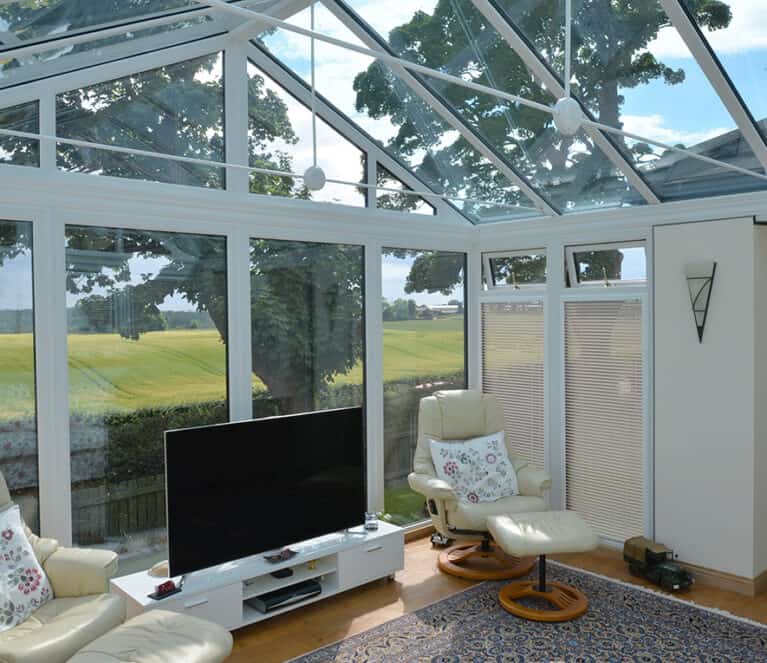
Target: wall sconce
{"points": [[700, 280]]}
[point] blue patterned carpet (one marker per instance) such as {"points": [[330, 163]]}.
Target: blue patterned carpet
{"points": [[622, 624]]}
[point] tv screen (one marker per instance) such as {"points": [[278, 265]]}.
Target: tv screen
{"points": [[244, 488]]}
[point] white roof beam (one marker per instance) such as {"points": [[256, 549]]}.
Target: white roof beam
{"points": [[541, 71], [446, 113], [701, 51]]}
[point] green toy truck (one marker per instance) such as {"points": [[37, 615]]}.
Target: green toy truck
{"points": [[651, 560]]}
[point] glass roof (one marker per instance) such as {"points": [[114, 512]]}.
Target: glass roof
{"points": [[632, 70]]}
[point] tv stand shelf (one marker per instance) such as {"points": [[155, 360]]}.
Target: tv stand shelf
{"points": [[338, 562]]}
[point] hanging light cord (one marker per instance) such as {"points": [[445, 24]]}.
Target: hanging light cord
{"points": [[568, 45], [314, 93]]}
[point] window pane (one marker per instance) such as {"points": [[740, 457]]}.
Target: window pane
{"points": [[604, 415], [393, 200], [378, 100], [147, 316], [280, 138], [18, 429], [178, 110], [423, 319], [529, 269], [20, 151], [512, 370], [307, 325], [609, 265]]}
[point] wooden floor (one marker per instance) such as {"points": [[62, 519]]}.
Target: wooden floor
{"points": [[418, 585]]}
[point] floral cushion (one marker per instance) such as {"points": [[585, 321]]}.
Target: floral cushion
{"points": [[24, 587], [477, 469]]}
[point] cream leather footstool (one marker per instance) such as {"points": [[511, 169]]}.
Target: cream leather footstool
{"points": [[543, 533], [159, 636]]}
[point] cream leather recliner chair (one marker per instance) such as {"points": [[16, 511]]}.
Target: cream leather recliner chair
{"points": [[459, 415], [80, 611]]}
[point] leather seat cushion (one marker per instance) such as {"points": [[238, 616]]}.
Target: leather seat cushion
{"points": [[160, 636], [542, 533], [56, 631], [466, 515]]}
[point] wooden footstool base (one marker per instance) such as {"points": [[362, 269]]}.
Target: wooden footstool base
{"points": [[483, 561], [543, 533], [566, 601]]}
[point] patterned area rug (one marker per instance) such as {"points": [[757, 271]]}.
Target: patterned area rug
{"points": [[623, 623]]}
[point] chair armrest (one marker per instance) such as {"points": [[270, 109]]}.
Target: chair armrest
{"points": [[532, 481], [80, 571], [431, 488]]}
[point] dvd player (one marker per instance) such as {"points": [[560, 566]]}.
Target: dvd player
{"points": [[279, 598]]}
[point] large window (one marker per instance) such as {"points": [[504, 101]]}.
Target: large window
{"points": [[604, 415], [177, 109], [423, 346], [18, 432], [512, 370], [147, 321], [307, 325]]}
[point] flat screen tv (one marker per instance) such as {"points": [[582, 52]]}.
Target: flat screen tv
{"points": [[244, 488]]}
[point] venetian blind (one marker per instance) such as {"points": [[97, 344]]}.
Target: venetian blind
{"points": [[604, 415], [512, 370]]}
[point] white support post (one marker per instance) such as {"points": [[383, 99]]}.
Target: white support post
{"points": [[47, 111], [236, 116], [554, 374], [239, 346], [716, 76], [52, 383], [474, 317], [374, 391], [371, 164]]}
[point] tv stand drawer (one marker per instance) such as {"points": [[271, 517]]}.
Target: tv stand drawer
{"points": [[373, 559], [222, 605]]}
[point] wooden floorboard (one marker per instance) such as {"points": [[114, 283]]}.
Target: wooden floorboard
{"points": [[418, 585]]}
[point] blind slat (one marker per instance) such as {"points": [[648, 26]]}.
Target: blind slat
{"points": [[512, 370], [604, 415]]}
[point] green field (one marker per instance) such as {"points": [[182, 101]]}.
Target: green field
{"points": [[107, 372]]}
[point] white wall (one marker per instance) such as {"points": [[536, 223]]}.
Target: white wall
{"points": [[760, 457], [704, 398]]}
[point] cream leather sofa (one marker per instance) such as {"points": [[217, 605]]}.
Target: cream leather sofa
{"points": [[459, 415], [81, 610]]}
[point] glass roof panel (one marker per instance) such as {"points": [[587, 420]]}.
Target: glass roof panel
{"points": [[633, 71], [399, 200], [453, 37], [16, 150], [739, 40], [177, 110], [280, 138], [400, 121]]}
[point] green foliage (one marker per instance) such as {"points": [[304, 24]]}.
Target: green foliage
{"points": [[399, 309]]}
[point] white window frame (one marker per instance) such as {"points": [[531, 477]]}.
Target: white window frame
{"points": [[572, 271], [494, 255]]}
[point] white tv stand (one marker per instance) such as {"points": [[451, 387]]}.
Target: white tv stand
{"points": [[338, 561]]}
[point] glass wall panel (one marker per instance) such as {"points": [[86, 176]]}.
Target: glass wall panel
{"points": [[18, 428], [147, 322], [20, 151], [403, 202], [572, 173], [307, 325], [280, 138], [607, 265], [178, 110], [423, 351], [382, 104], [517, 269]]}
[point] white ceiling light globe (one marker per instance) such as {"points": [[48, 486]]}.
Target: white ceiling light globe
{"points": [[314, 178], [568, 116]]}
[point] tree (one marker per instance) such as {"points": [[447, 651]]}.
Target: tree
{"points": [[610, 47]]}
